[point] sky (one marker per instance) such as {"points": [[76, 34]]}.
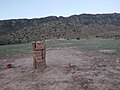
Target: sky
{"points": [[18, 9]]}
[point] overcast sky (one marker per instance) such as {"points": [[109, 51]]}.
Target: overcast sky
{"points": [[14, 9]]}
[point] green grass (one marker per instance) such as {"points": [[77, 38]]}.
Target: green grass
{"points": [[83, 45], [13, 50], [86, 45]]}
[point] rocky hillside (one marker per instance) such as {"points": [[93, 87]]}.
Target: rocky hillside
{"points": [[75, 26]]}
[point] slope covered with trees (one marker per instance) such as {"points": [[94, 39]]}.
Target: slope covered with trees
{"points": [[75, 26]]}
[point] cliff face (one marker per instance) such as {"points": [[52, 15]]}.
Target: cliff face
{"points": [[75, 26]]}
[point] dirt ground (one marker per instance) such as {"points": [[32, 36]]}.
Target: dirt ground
{"points": [[88, 71]]}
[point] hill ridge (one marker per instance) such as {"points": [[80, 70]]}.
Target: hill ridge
{"points": [[75, 26]]}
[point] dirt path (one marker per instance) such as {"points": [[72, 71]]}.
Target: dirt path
{"points": [[88, 71]]}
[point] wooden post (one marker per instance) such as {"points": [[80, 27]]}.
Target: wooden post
{"points": [[33, 45]]}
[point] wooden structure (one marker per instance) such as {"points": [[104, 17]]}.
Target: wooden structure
{"points": [[39, 54]]}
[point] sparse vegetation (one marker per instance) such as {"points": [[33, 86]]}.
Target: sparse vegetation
{"points": [[15, 50], [83, 45], [17, 31]]}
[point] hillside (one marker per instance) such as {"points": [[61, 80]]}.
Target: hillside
{"points": [[75, 26]]}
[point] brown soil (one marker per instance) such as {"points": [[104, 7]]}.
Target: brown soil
{"points": [[67, 69]]}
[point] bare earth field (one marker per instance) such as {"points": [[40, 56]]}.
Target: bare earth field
{"points": [[88, 71]]}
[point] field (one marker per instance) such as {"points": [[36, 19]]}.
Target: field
{"points": [[95, 65], [83, 45]]}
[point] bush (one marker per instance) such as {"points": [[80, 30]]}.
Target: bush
{"points": [[78, 38]]}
